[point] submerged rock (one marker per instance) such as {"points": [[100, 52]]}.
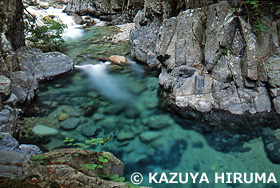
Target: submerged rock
{"points": [[70, 123], [63, 117], [271, 145], [125, 135], [149, 136], [42, 130], [89, 129]]}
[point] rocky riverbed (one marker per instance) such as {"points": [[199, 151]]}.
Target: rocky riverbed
{"points": [[207, 73]]}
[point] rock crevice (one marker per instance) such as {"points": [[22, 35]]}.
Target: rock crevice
{"points": [[214, 60]]}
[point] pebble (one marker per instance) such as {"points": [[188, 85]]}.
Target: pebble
{"points": [[63, 117]]}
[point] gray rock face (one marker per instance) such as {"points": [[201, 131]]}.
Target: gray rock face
{"points": [[8, 120], [13, 157], [211, 60], [43, 65], [112, 10], [5, 85], [24, 86]]}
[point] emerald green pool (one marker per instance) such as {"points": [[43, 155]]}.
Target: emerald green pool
{"points": [[123, 103]]}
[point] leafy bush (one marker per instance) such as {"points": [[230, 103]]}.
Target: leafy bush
{"points": [[47, 37]]}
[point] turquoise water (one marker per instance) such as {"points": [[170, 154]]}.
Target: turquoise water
{"points": [[123, 103]]}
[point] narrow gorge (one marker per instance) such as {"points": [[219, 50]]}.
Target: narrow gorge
{"points": [[138, 87]]}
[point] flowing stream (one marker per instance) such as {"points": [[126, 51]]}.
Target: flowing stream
{"points": [[122, 102]]}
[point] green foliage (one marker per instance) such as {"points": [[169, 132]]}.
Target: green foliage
{"points": [[89, 166], [277, 10], [260, 25], [102, 160], [1, 136], [226, 50], [47, 37], [40, 159], [256, 10], [87, 143]]}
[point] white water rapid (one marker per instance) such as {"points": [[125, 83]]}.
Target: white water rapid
{"points": [[106, 84], [72, 32]]}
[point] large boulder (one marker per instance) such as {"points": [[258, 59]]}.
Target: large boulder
{"points": [[66, 167], [43, 65]]}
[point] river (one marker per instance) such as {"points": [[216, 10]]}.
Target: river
{"points": [[122, 102]]}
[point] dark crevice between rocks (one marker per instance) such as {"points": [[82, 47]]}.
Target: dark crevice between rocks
{"points": [[221, 136]]}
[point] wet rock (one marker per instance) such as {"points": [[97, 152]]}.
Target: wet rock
{"points": [[114, 109], [98, 116], [43, 65], [11, 101], [77, 19], [89, 129], [276, 103], [59, 6], [63, 117], [44, 130], [271, 145], [125, 135], [119, 60], [158, 122], [132, 112], [44, 5], [143, 43], [137, 88], [89, 111], [70, 123], [158, 125], [115, 68], [66, 163], [24, 86], [149, 136]]}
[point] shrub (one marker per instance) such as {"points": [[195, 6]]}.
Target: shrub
{"points": [[47, 37]]}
